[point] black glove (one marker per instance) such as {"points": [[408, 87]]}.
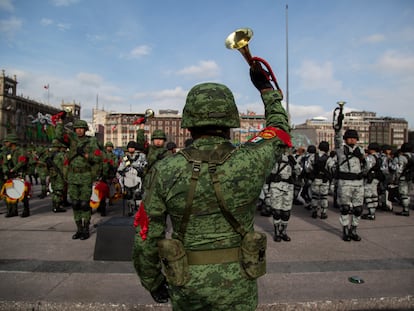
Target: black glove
{"points": [[160, 294], [357, 152], [259, 77], [80, 151], [292, 160]]}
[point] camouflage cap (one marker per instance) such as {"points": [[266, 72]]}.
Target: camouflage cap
{"points": [[80, 124], [210, 104], [158, 134], [11, 138], [109, 144]]}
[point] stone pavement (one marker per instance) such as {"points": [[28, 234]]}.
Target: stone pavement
{"points": [[42, 268]]}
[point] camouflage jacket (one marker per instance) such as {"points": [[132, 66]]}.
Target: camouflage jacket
{"points": [[15, 162], [241, 179]]}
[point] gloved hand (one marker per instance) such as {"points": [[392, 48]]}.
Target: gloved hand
{"points": [[160, 294], [260, 77], [357, 152], [80, 151], [291, 160]]}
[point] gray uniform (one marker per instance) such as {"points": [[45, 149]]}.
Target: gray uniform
{"points": [[350, 191], [404, 180]]}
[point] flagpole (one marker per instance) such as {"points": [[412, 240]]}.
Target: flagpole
{"points": [[287, 67]]}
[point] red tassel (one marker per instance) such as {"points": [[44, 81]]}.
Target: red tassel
{"points": [[141, 220]]}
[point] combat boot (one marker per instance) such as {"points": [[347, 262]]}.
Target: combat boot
{"points": [[78, 233], [85, 230], [345, 234], [354, 234], [403, 213], [57, 208], [368, 216], [314, 212], [277, 237], [26, 212], [283, 234], [324, 215]]}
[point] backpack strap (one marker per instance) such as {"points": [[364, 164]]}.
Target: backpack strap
{"points": [[213, 158]]}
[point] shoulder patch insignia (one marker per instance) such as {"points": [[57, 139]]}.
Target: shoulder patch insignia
{"points": [[271, 132]]}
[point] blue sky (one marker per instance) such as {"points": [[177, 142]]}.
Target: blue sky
{"points": [[131, 55]]}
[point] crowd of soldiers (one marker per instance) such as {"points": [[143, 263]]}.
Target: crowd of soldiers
{"points": [[76, 171], [380, 175]]}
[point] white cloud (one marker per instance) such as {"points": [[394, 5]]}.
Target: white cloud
{"points": [[205, 69], [138, 52], [393, 61], [6, 5], [63, 26], [10, 26], [64, 2], [318, 77], [46, 22], [89, 78], [375, 38]]}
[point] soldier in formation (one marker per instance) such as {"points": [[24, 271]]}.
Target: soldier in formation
{"points": [[320, 167], [57, 171], [84, 162], [15, 161], [351, 160], [209, 190]]}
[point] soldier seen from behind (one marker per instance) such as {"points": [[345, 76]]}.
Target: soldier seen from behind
{"points": [[209, 191], [84, 157]]}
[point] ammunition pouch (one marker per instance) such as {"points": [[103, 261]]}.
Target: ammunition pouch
{"points": [[253, 254], [174, 261]]}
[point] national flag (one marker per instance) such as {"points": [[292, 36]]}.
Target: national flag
{"points": [[113, 128], [46, 87]]}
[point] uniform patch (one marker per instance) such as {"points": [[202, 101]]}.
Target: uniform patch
{"points": [[271, 132]]}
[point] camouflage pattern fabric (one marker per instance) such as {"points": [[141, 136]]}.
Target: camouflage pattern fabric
{"points": [[212, 286], [58, 174]]}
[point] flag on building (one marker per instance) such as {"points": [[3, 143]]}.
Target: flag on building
{"points": [[46, 87]]}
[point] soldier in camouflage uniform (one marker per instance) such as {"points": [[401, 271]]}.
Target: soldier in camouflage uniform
{"points": [[84, 160], [15, 161], [373, 176], [42, 153], [281, 190], [200, 188], [58, 174], [110, 166], [319, 167], [404, 164], [350, 190]]}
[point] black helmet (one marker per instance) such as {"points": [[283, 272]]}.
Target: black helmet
{"points": [[311, 149], [351, 134], [324, 146], [374, 146], [132, 144], [406, 147]]}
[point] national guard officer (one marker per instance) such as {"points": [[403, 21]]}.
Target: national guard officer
{"points": [[281, 191], [84, 157], [373, 176], [351, 159], [319, 168], [15, 161], [209, 190], [404, 163], [57, 172]]}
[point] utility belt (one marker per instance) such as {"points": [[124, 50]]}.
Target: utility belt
{"points": [[350, 176], [213, 256], [175, 260], [278, 178]]}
